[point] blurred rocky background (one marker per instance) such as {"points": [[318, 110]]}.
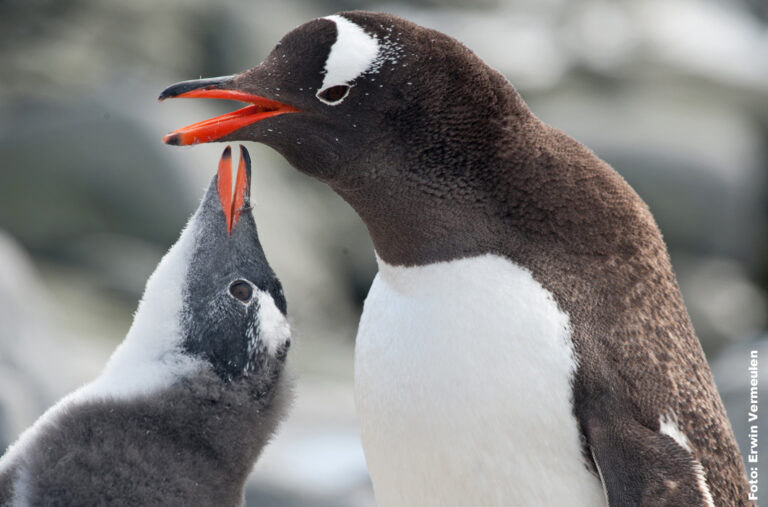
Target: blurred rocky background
{"points": [[673, 93]]}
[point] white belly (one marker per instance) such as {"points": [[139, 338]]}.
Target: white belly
{"points": [[462, 388]]}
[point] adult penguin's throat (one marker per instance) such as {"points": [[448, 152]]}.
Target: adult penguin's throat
{"points": [[215, 128]]}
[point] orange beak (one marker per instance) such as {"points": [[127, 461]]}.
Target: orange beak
{"points": [[218, 127], [233, 199]]}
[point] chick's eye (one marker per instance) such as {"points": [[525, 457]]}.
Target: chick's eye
{"points": [[333, 94], [241, 290]]}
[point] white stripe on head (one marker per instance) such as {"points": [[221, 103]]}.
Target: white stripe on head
{"points": [[351, 55]]}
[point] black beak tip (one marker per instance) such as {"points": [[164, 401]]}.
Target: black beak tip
{"points": [[247, 158], [195, 84], [172, 139], [170, 92]]}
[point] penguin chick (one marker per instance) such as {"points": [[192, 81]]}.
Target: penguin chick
{"points": [[192, 395]]}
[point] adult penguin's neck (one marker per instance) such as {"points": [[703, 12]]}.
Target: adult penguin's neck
{"points": [[533, 188]]}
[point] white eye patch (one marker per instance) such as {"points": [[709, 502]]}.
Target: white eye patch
{"points": [[351, 55]]}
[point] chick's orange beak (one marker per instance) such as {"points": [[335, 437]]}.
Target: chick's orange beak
{"points": [[234, 198]]}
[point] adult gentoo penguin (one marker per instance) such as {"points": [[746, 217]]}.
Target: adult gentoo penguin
{"points": [[191, 396], [525, 341]]}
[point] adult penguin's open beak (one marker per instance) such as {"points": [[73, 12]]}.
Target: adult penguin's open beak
{"points": [[214, 129]]}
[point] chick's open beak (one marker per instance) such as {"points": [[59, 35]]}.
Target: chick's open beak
{"points": [[234, 198]]}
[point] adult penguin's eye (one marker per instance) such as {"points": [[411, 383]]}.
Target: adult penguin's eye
{"points": [[242, 290], [333, 94]]}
